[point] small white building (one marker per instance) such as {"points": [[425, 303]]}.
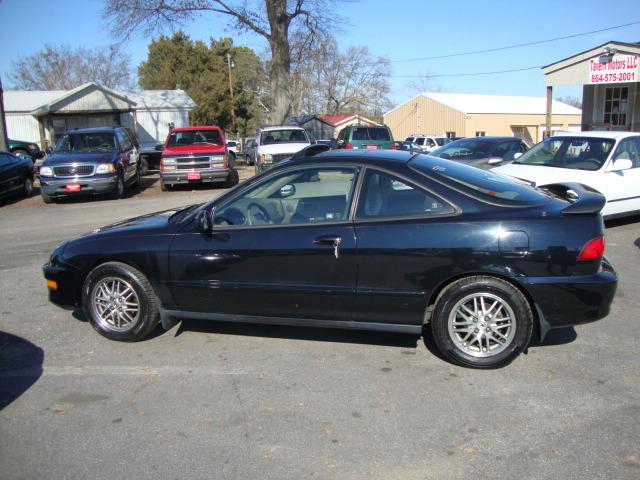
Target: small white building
{"points": [[42, 116]]}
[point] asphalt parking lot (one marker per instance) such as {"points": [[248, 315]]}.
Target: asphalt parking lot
{"points": [[215, 400]]}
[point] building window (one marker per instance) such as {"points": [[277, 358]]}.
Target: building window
{"points": [[450, 134], [481, 134], [615, 105]]}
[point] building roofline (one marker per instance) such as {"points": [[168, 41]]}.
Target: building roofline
{"points": [[46, 108]]}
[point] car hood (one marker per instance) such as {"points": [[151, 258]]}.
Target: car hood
{"points": [[278, 148], [539, 175], [77, 157], [151, 223], [193, 150]]}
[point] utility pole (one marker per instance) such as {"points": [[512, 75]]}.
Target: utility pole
{"points": [[233, 105], [4, 142]]}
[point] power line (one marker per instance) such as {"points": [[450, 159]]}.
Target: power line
{"points": [[465, 74], [519, 45]]}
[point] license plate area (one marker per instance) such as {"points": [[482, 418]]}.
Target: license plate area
{"points": [[372, 147], [193, 176], [72, 187]]}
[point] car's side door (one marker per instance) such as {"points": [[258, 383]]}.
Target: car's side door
{"points": [[7, 174], [404, 247], [623, 185], [128, 155], [283, 247]]}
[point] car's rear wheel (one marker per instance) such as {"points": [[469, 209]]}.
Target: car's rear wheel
{"points": [[165, 187], [119, 302], [232, 179], [481, 322]]}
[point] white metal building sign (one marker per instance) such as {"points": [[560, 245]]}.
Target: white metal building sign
{"points": [[618, 69]]}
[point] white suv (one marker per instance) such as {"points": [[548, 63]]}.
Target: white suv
{"points": [[428, 142], [274, 144]]}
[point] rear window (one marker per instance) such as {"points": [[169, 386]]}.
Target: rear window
{"points": [[371, 133], [271, 137], [482, 184]]}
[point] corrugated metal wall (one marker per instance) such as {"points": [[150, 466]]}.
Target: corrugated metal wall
{"points": [[421, 115], [23, 127], [153, 126]]}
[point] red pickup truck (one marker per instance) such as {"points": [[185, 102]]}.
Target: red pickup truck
{"points": [[196, 155]]}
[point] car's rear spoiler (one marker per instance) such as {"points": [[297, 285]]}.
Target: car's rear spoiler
{"points": [[583, 198]]}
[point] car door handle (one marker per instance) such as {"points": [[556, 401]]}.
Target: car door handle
{"points": [[331, 240]]}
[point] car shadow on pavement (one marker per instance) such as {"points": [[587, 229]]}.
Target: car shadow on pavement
{"points": [[20, 367], [620, 222], [301, 333]]}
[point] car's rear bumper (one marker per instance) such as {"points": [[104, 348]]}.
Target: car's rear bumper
{"points": [[572, 300], [95, 185], [213, 175]]}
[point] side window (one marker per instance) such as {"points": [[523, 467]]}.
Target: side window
{"points": [[123, 140], [306, 195], [523, 147], [628, 148], [384, 195], [506, 150]]}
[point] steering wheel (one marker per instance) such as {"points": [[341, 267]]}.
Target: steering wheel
{"points": [[257, 214]]}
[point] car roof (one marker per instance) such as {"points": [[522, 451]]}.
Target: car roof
{"points": [[94, 130], [280, 127], [379, 157], [598, 134], [488, 137], [195, 128]]}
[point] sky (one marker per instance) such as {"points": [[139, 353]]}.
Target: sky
{"points": [[398, 30]]}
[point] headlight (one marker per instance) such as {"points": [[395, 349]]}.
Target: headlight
{"points": [[167, 164], [106, 168], [217, 159], [56, 255], [46, 171], [266, 158]]}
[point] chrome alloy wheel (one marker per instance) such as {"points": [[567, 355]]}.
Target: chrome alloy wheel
{"points": [[482, 324], [116, 304]]}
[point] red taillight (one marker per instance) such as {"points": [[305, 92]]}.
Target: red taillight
{"points": [[593, 249], [348, 146]]}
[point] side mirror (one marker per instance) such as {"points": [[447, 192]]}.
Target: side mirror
{"points": [[204, 220], [621, 164], [159, 147], [495, 160], [287, 190], [517, 155]]}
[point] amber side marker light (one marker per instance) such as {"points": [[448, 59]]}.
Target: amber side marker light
{"points": [[52, 284]]}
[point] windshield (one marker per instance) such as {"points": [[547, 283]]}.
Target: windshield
{"points": [[194, 137], [442, 141], [283, 136], [486, 185], [469, 149], [578, 153], [86, 142]]}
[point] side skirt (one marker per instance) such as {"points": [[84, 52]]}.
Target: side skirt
{"points": [[294, 322]]}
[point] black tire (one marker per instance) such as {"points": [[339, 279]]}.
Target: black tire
{"points": [[144, 166], [119, 189], [147, 317], [449, 327], [232, 159], [165, 187], [232, 179], [27, 187], [45, 198]]}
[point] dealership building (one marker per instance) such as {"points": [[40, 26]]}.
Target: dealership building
{"points": [[610, 76], [43, 116]]}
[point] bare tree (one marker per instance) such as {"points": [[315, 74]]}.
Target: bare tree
{"points": [[424, 83], [271, 19], [59, 67], [571, 100]]}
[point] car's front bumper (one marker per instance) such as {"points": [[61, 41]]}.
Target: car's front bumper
{"points": [[94, 185], [67, 291], [209, 175], [572, 300]]}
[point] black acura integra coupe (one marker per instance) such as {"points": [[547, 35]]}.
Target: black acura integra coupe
{"points": [[376, 240]]}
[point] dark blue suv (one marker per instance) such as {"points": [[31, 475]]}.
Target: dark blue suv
{"points": [[91, 161]]}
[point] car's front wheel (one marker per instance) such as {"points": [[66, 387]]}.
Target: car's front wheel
{"points": [[481, 322], [27, 187], [118, 189], [119, 302]]}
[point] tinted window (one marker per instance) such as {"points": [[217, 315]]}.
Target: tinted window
{"points": [[310, 195], [384, 195], [506, 150], [578, 153], [123, 139], [379, 133], [360, 134], [628, 148], [470, 149], [479, 183], [194, 137]]}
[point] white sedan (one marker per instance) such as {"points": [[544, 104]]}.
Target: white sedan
{"points": [[606, 161]]}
